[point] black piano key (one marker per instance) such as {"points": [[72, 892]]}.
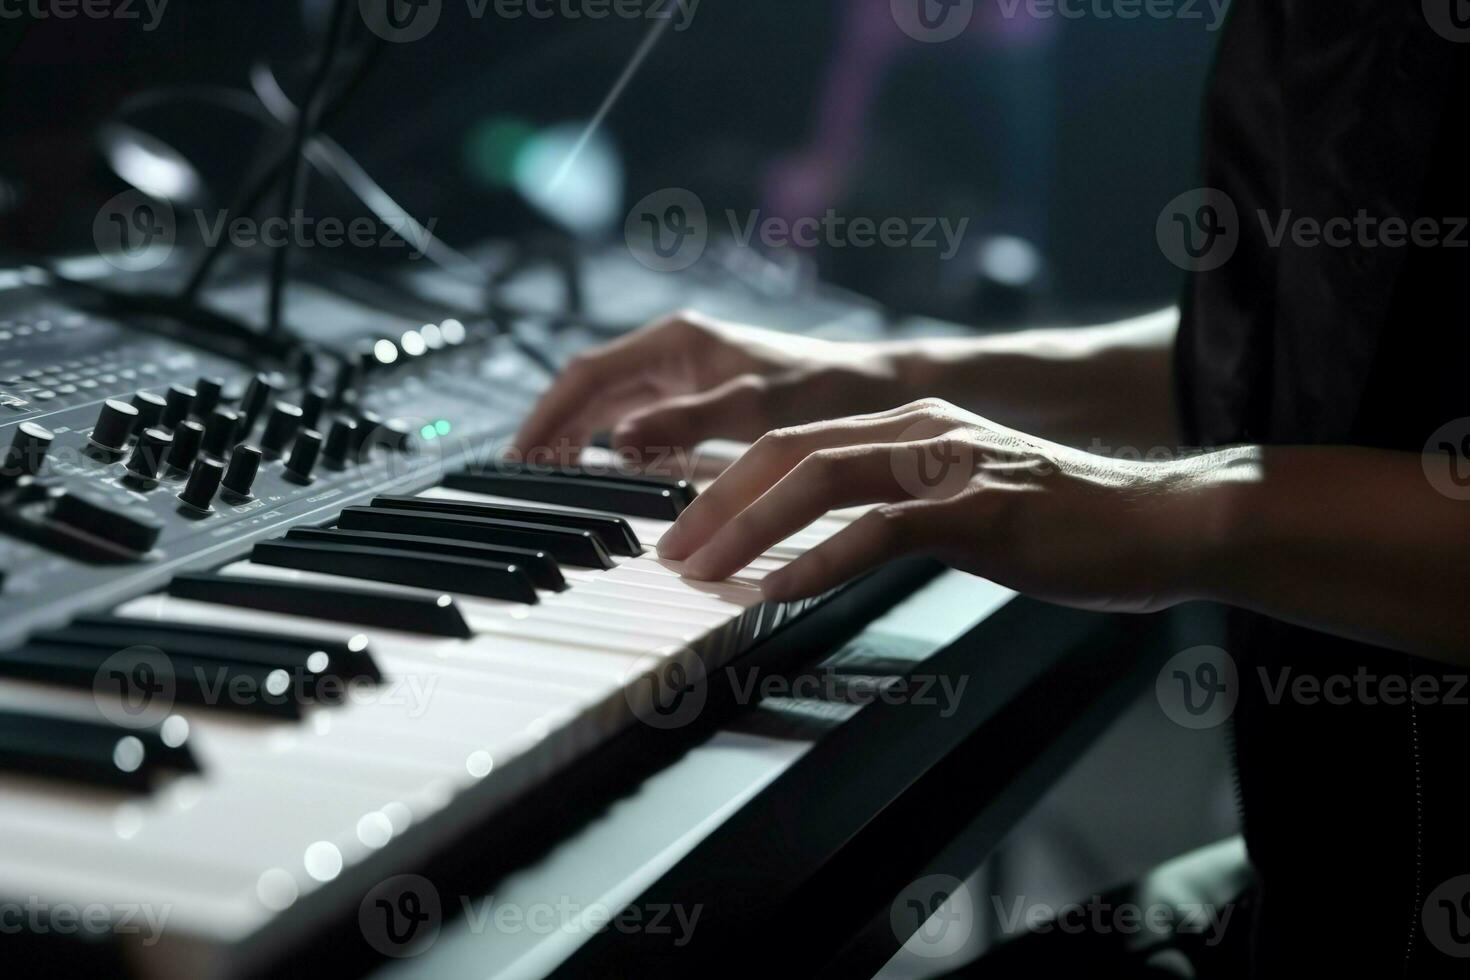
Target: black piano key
{"points": [[364, 606], [635, 500], [248, 688], [568, 546], [681, 488], [617, 537], [342, 660], [418, 570], [92, 752], [538, 564]]}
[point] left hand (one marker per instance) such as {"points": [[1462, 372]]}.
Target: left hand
{"points": [[1050, 521]]}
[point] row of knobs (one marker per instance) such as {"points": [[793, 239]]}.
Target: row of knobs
{"points": [[168, 436]]}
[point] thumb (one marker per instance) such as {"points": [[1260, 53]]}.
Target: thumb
{"points": [[736, 409]]}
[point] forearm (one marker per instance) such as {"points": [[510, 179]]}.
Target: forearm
{"points": [[1104, 388], [1353, 542]]}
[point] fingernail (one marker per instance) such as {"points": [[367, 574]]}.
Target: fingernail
{"points": [[701, 565]]}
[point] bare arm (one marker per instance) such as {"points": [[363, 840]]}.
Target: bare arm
{"points": [[689, 378], [1100, 388], [1350, 541], [1354, 542]]}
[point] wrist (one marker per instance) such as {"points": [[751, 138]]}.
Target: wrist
{"points": [[958, 371], [1213, 521]]}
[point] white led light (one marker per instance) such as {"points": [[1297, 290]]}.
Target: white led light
{"points": [[323, 861], [128, 753], [276, 889]]}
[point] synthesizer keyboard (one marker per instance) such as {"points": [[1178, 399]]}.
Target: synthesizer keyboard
{"points": [[261, 639]]}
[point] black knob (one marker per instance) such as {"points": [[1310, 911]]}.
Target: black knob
{"points": [[148, 455], [396, 436], [258, 395], [340, 440], [313, 403], [203, 482], [26, 453], [244, 464], [280, 429], [368, 423], [188, 436], [345, 382], [114, 425], [303, 364], [178, 401], [304, 456], [207, 393], [150, 410], [221, 432]]}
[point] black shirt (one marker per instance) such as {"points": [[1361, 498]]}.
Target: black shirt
{"points": [[1355, 810]]}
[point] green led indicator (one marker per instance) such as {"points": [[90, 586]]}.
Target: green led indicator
{"points": [[441, 427], [429, 432]]}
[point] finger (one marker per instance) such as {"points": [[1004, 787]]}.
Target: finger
{"points": [[733, 410], [771, 458], [826, 480], [620, 364], [881, 535], [597, 416]]}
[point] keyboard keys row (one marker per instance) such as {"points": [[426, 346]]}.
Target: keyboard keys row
{"points": [[405, 563]]}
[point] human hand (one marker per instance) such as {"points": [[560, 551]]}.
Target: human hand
{"points": [[688, 378], [1037, 517]]}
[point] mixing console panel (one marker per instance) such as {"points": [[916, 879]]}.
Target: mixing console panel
{"points": [[130, 456]]}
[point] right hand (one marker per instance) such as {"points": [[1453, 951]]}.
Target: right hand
{"points": [[687, 378]]}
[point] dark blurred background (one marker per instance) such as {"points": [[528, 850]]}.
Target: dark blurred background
{"points": [[1059, 139]]}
